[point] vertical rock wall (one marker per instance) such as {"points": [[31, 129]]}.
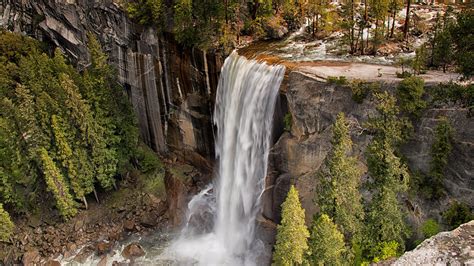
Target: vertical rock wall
{"points": [[171, 88]]}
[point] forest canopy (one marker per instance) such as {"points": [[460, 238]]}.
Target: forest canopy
{"points": [[62, 133]]}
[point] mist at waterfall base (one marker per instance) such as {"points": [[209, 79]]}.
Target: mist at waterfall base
{"points": [[221, 219]]}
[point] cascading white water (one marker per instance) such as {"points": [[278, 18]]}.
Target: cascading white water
{"points": [[243, 113]]}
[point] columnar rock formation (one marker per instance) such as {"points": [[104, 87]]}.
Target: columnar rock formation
{"points": [[172, 88]]}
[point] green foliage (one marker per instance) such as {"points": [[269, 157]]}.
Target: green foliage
{"points": [[72, 130], [326, 243], [57, 185], [361, 89], [442, 54], [384, 251], [291, 240], [388, 176], [457, 214], [463, 37], [148, 161], [404, 62], [430, 228], [339, 195], [146, 12], [341, 80], [452, 93], [387, 127], [287, 120], [6, 225], [440, 151], [420, 60], [410, 95]]}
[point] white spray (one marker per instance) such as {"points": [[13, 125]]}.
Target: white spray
{"points": [[221, 219]]}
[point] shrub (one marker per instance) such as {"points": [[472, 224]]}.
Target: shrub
{"points": [[457, 214], [430, 228], [410, 92], [402, 75], [6, 225], [385, 250], [341, 80], [148, 161], [361, 89], [452, 93]]}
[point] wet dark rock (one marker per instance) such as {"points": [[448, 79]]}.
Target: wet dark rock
{"points": [[133, 250], [103, 247], [129, 225], [149, 220]]}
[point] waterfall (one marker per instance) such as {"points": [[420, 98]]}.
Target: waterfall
{"points": [[221, 219]]}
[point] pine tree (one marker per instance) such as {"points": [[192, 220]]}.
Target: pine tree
{"points": [[419, 62], [326, 243], [348, 24], [76, 165], [57, 185], [440, 151], [378, 9], [6, 225], [463, 37], [394, 6], [291, 241], [410, 93], [339, 195], [99, 91], [318, 12], [389, 176]]}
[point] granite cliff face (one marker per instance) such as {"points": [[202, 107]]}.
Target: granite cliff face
{"points": [[172, 88], [446, 248], [298, 155]]}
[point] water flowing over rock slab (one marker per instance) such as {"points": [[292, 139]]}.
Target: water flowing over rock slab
{"points": [[245, 104], [447, 248]]}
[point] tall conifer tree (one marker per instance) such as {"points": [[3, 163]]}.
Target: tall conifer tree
{"points": [[292, 236]]}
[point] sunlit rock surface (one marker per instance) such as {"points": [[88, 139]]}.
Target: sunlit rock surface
{"points": [[447, 248]]}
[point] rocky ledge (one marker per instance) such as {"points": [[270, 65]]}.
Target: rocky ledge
{"points": [[447, 248]]}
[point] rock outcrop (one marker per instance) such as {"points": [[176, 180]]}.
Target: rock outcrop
{"points": [[447, 248], [171, 87], [298, 155]]}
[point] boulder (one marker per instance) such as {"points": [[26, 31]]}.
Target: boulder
{"points": [[133, 250], [103, 247], [149, 220], [446, 248], [129, 225], [31, 257], [52, 263]]}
